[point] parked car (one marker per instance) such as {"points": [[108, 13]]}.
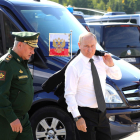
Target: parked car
{"points": [[49, 120], [132, 18], [120, 39], [137, 12]]}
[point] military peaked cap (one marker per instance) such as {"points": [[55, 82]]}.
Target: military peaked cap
{"points": [[30, 38]]}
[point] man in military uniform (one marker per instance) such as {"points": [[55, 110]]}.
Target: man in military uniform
{"points": [[16, 88]]}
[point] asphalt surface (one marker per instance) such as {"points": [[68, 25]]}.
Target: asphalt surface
{"points": [[135, 136]]}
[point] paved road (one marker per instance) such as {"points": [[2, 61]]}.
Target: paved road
{"points": [[135, 136]]}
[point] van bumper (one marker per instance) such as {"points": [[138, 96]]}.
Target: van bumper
{"points": [[123, 122]]}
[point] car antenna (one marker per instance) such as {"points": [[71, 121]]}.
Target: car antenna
{"points": [[129, 19]]}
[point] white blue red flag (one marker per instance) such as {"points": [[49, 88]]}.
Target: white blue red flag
{"points": [[59, 44]]}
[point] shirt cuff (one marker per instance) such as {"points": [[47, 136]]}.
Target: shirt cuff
{"points": [[113, 67], [75, 113]]}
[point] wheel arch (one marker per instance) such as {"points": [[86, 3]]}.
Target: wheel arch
{"points": [[42, 103]]}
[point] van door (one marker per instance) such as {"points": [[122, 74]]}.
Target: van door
{"points": [[1, 33], [123, 41]]}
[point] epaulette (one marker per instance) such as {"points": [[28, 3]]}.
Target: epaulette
{"points": [[8, 58]]}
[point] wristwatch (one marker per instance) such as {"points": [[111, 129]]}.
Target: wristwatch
{"points": [[77, 118]]}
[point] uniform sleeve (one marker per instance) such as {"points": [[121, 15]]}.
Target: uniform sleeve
{"points": [[5, 83], [71, 81]]}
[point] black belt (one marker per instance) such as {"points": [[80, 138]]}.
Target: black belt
{"points": [[92, 109], [95, 109]]}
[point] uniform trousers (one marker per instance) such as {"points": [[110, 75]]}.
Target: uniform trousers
{"points": [[6, 132], [97, 124]]}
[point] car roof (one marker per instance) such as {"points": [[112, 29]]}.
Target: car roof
{"points": [[114, 13], [113, 17], [110, 23]]}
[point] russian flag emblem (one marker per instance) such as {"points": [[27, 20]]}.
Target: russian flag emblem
{"points": [[59, 44]]}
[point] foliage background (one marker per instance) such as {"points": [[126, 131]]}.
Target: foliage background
{"points": [[128, 6]]}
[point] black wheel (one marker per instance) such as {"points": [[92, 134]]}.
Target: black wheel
{"points": [[52, 123]]}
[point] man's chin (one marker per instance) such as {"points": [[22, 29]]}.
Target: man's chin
{"points": [[28, 58]]}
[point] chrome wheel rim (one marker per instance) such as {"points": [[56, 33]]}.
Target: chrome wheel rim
{"points": [[50, 129]]}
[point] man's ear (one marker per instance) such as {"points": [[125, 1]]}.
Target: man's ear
{"points": [[19, 44], [79, 45]]}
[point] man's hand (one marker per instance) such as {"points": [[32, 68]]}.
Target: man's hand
{"points": [[81, 125], [108, 60], [16, 126]]}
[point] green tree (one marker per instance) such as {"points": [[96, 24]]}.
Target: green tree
{"points": [[128, 6]]}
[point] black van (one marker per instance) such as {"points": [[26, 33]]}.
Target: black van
{"points": [[120, 39]]}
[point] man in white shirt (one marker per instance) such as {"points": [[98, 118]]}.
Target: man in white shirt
{"points": [[80, 93]]}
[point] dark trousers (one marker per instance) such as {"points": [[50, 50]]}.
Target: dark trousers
{"points": [[97, 125], [6, 132]]}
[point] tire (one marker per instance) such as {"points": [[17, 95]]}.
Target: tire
{"points": [[52, 123]]}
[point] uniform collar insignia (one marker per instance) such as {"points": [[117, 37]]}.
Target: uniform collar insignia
{"points": [[9, 56], [18, 60], [20, 71]]}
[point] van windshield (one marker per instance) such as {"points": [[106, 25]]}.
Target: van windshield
{"points": [[126, 36], [52, 20]]}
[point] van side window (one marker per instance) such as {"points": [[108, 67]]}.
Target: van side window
{"points": [[96, 30], [80, 18], [126, 36], [9, 27], [1, 46]]}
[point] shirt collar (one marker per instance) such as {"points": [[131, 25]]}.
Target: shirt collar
{"points": [[15, 55], [86, 59]]}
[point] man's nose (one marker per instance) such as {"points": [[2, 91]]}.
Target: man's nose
{"points": [[33, 52], [89, 49]]}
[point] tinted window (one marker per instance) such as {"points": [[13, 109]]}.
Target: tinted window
{"points": [[52, 20], [96, 30], [1, 46], [120, 36], [80, 18], [9, 27]]}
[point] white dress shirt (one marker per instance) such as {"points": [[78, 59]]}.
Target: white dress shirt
{"points": [[79, 87]]}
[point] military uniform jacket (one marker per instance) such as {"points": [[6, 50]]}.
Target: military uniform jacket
{"points": [[16, 86]]}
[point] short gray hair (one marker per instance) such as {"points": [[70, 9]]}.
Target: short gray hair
{"points": [[16, 43], [86, 34]]}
